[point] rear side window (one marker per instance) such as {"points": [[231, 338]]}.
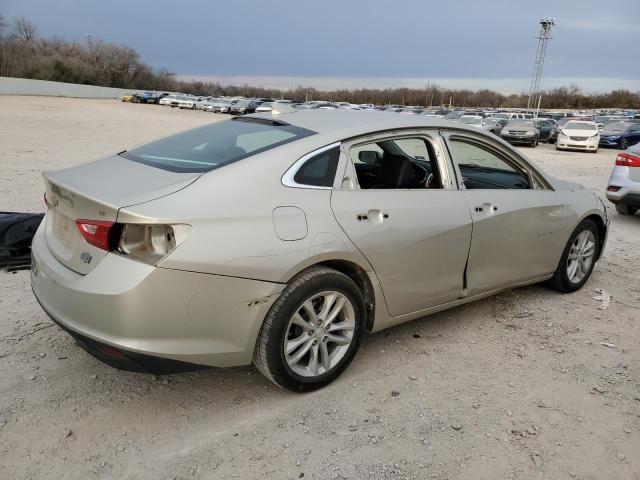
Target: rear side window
{"points": [[212, 146], [319, 170]]}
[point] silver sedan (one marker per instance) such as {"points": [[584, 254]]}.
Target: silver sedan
{"points": [[281, 239]]}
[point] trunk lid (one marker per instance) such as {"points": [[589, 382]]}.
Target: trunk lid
{"points": [[96, 191]]}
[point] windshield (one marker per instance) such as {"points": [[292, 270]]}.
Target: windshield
{"points": [[212, 146], [616, 127], [491, 121], [520, 123], [580, 126], [504, 116]]}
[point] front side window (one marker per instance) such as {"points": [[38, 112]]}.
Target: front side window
{"points": [[481, 168], [212, 146], [406, 163]]}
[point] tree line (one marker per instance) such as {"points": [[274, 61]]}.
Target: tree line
{"points": [[24, 54]]}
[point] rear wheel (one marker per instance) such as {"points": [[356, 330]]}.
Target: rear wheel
{"points": [[625, 209], [578, 259], [624, 144], [312, 331]]}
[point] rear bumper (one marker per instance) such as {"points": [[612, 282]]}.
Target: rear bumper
{"points": [[140, 309]]}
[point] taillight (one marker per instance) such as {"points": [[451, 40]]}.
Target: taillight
{"points": [[101, 234], [150, 243], [625, 159]]}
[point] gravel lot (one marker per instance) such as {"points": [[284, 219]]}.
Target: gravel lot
{"points": [[517, 386]]}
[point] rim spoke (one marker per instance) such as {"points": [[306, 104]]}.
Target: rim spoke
{"points": [[295, 358], [583, 239], [324, 357], [339, 339], [572, 269], [335, 311], [313, 364], [329, 300], [589, 249], [294, 343], [301, 322], [347, 325], [311, 312]]}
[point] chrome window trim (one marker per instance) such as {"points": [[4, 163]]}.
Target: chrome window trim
{"points": [[288, 179]]}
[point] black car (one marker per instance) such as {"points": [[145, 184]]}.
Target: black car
{"points": [[243, 107], [546, 128]]}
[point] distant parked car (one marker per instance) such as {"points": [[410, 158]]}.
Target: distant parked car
{"points": [[519, 131], [264, 107], [168, 99], [129, 98], [624, 184], [578, 135], [243, 107], [191, 103], [620, 135], [471, 120], [546, 129], [494, 125]]}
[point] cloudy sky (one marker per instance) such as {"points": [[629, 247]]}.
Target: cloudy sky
{"points": [[458, 43]]}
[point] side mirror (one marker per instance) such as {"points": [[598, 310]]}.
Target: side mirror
{"points": [[368, 156]]}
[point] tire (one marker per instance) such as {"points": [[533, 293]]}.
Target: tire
{"points": [[624, 144], [625, 209], [558, 148], [561, 280], [269, 355]]}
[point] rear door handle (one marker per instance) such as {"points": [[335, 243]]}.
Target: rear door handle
{"points": [[375, 216], [486, 207]]}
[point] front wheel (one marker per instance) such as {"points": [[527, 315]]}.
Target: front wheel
{"points": [[578, 259], [312, 331], [624, 144]]}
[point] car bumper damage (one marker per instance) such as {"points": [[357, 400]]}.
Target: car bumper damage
{"points": [[188, 317]]}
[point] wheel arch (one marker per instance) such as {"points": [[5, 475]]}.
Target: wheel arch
{"points": [[359, 276], [602, 230]]}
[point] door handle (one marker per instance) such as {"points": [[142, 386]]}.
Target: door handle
{"points": [[489, 208], [374, 216]]}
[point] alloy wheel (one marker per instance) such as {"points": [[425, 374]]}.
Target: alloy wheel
{"points": [[581, 255], [319, 334]]}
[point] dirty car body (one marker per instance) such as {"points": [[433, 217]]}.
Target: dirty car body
{"points": [[220, 245]]}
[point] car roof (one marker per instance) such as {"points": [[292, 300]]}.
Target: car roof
{"points": [[351, 123]]}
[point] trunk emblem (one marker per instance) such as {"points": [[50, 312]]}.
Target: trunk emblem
{"points": [[86, 257]]}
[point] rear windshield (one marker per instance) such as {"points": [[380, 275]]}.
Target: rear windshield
{"points": [[212, 146]]}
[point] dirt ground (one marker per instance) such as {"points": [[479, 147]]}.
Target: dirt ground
{"points": [[520, 386]]}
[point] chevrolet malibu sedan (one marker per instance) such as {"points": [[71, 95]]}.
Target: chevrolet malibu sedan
{"points": [[281, 239]]}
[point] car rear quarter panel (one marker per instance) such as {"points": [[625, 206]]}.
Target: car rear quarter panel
{"points": [[232, 213]]}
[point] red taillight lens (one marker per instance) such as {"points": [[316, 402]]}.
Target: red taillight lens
{"points": [[627, 160], [613, 188], [98, 233]]}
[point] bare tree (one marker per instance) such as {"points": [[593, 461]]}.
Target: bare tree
{"points": [[24, 30]]}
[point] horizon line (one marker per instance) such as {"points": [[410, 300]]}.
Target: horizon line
{"points": [[505, 86]]}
